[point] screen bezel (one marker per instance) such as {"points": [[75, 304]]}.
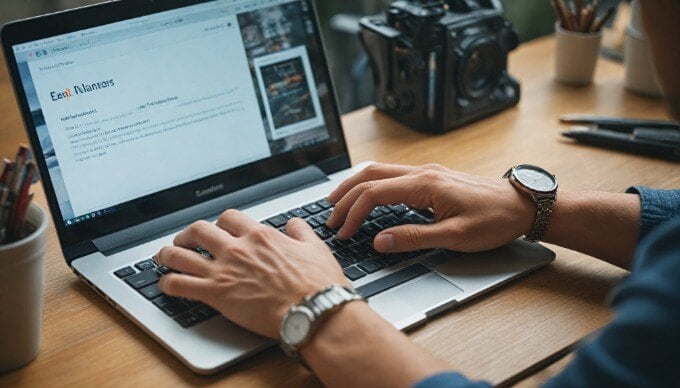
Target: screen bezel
{"points": [[330, 157]]}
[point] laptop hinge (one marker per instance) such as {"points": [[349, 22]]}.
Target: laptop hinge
{"points": [[245, 198]]}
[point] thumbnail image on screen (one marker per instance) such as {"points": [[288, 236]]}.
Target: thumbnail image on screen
{"points": [[288, 93]]}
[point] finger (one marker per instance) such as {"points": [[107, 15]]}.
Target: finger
{"points": [[352, 210], [299, 230], [185, 286], [203, 234], [236, 223], [408, 238], [184, 260], [373, 172]]}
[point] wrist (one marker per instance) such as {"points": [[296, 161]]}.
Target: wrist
{"points": [[303, 320]]}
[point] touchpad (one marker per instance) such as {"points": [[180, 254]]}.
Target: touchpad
{"points": [[401, 304]]}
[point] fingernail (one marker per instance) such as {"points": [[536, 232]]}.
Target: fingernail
{"points": [[384, 242]]}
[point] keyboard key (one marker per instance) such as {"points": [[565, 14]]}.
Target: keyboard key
{"points": [[277, 221], [391, 260], [325, 215], [324, 204], [370, 266], [206, 311], [151, 291], [299, 213], [313, 222], [188, 319], [190, 303], [142, 279], [354, 273], [313, 208], [399, 209], [385, 209], [163, 269], [320, 220], [169, 305], [145, 265], [124, 272], [343, 263], [323, 232], [375, 213], [371, 229], [392, 280]]}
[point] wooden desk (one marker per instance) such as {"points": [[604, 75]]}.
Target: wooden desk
{"points": [[499, 337]]}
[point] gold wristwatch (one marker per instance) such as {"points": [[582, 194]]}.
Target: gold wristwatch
{"points": [[541, 187]]}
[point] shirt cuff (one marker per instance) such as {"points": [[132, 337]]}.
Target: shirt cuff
{"points": [[450, 380], [658, 207]]}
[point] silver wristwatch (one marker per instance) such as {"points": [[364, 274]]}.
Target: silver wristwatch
{"points": [[301, 320], [541, 187]]}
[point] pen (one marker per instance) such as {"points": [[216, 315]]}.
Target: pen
{"points": [[625, 142], [615, 123]]}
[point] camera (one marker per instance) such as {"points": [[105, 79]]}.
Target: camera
{"points": [[438, 65]]}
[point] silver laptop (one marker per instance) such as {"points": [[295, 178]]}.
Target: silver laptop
{"points": [[145, 116]]}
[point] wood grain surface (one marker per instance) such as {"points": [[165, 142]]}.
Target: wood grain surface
{"points": [[501, 337]]}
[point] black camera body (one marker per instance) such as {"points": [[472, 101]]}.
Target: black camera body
{"points": [[438, 65]]}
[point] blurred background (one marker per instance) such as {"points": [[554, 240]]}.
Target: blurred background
{"points": [[339, 18]]}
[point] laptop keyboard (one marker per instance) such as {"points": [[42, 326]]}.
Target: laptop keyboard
{"points": [[355, 255]]}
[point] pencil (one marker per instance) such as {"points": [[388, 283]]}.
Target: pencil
{"points": [[22, 202], [587, 19], [578, 14], [600, 22], [568, 17]]}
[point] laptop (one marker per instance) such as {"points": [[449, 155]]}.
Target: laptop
{"points": [[145, 116]]}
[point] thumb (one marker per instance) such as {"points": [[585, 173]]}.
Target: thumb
{"points": [[299, 230], [407, 238]]}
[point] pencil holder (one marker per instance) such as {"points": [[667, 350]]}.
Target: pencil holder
{"points": [[21, 294], [576, 56]]}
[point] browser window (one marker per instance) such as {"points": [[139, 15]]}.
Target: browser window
{"points": [[136, 107]]}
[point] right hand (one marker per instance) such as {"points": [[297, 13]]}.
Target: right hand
{"points": [[472, 213]]}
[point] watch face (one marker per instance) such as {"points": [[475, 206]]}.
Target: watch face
{"points": [[535, 178], [296, 327]]}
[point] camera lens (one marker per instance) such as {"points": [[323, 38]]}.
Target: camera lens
{"points": [[481, 67]]}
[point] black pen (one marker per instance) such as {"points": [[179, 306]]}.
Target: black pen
{"points": [[618, 124], [625, 142]]}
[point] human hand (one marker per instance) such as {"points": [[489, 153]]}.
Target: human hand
{"points": [[472, 213], [256, 273]]}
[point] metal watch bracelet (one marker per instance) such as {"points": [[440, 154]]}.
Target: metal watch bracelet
{"points": [[543, 215], [320, 304]]}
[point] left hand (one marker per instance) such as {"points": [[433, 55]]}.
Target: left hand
{"points": [[256, 273]]}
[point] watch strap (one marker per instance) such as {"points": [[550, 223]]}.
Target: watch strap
{"points": [[321, 304], [543, 214]]}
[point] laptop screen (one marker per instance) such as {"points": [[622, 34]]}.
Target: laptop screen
{"points": [[140, 106]]}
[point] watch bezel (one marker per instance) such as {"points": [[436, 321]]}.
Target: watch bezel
{"points": [[295, 310], [516, 179]]}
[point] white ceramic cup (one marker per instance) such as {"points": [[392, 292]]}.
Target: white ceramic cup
{"points": [[641, 75], [576, 56], [21, 294]]}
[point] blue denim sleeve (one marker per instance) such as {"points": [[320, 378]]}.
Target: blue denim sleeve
{"points": [[450, 380], [641, 347], [658, 206]]}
